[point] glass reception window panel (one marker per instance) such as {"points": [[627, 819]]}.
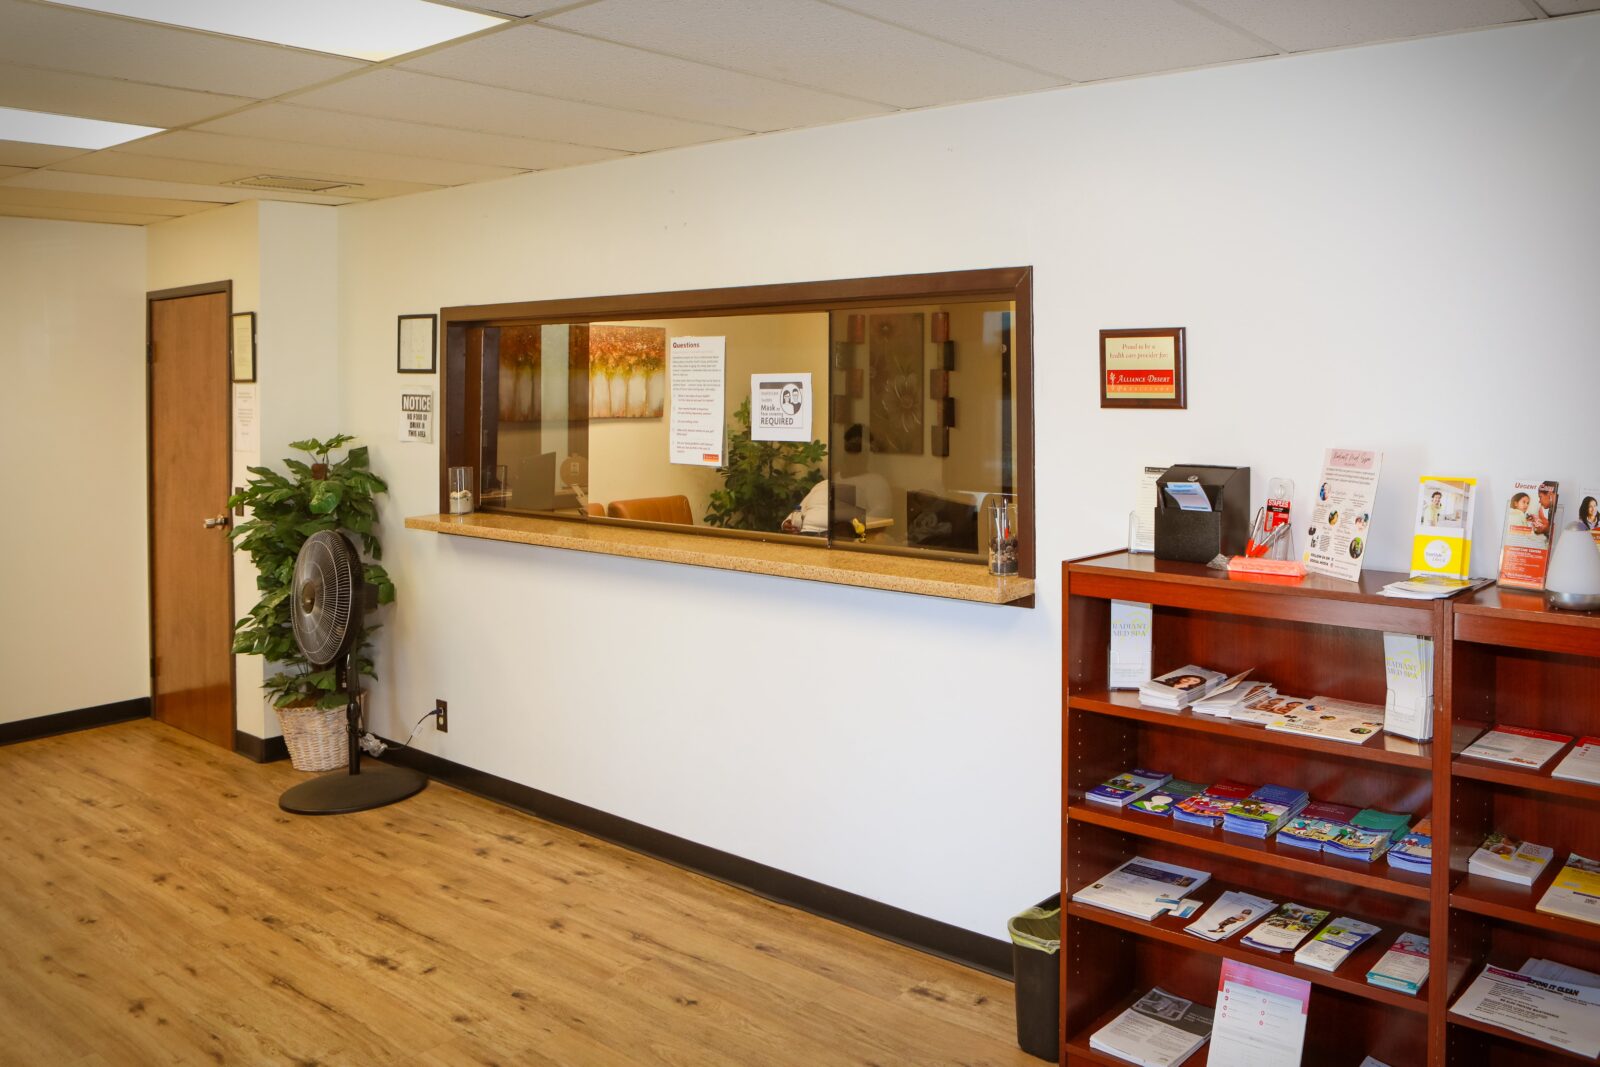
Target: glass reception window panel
{"points": [[534, 432]]}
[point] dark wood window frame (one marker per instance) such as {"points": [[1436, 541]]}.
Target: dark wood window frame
{"points": [[460, 383]]}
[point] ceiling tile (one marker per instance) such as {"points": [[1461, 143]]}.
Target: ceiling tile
{"points": [[60, 38], [282, 157], [65, 93], [24, 154], [399, 94], [537, 59], [198, 172], [105, 184], [285, 122], [1569, 7], [1081, 40], [18, 193], [1309, 24], [64, 214], [807, 43]]}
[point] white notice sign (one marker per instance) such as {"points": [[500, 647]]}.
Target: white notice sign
{"points": [[246, 430], [695, 368], [780, 407], [416, 415]]}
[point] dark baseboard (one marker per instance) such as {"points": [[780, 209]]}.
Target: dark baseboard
{"points": [[870, 916], [68, 721], [260, 749]]}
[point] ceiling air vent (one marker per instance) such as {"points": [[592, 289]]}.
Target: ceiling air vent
{"points": [[292, 184]]}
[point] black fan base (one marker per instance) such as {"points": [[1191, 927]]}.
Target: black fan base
{"points": [[340, 792]]}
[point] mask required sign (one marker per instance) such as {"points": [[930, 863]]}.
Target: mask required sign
{"points": [[780, 407]]}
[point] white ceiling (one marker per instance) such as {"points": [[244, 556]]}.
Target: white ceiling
{"points": [[561, 84]]}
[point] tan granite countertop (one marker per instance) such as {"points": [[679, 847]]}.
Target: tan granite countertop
{"points": [[870, 570]]}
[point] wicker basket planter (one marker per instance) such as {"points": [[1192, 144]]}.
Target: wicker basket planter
{"points": [[317, 738]]}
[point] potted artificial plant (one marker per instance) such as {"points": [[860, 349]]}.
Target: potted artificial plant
{"points": [[286, 509], [764, 480]]}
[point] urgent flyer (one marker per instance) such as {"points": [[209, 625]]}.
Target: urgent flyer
{"points": [[1341, 513]]}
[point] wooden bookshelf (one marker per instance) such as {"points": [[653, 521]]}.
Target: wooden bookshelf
{"points": [[1500, 657]]}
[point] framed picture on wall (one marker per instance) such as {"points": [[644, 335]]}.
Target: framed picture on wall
{"points": [[1143, 368], [417, 346], [243, 341]]}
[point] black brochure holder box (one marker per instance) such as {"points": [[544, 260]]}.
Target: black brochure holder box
{"points": [[1201, 536]]}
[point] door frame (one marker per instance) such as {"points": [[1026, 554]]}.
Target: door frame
{"points": [[150, 298]]}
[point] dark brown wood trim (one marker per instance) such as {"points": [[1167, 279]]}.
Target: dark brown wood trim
{"points": [[932, 936], [201, 289], [68, 721], [260, 749]]}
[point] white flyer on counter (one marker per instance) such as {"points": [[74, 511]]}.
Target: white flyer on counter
{"points": [[1557, 1013], [695, 375], [780, 407], [1341, 512]]}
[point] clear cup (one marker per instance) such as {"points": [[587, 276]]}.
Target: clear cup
{"points": [[460, 482]]}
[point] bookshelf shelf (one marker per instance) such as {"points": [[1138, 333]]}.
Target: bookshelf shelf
{"points": [[1543, 1053], [1516, 778], [1496, 899], [1386, 748]]}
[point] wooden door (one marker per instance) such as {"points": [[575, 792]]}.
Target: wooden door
{"points": [[191, 567]]}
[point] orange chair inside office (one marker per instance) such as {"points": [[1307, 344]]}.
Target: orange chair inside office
{"points": [[598, 510], [673, 509]]}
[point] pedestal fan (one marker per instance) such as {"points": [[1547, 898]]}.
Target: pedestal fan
{"points": [[327, 627]]}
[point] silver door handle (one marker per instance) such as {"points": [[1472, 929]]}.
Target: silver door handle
{"points": [[212, 524]]}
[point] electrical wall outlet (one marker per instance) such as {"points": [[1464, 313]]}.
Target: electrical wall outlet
{"points": [[441, 716]]}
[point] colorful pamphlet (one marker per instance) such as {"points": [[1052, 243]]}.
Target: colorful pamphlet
{"points": [[1267, 709], [1414, 851], [1227, 699], [1442, 543], [1517, 746], [1582, 764], [1369, 835], [1404, 968], [1509, 860], [1208, 808], [1334, 943], [1142, 888], [1131, 627], [1159, 1030], [1589, 513], [1575, 893], [1162, 800], [1559, 1014], [1260, 1019], [1318, 823], [1525, 542], [1126, 787], [1229, 914], [1408, 663], [1263, 811], [1332, 720], [1432, 587], [1176, 689], [1341, 513], [1285, 928]]}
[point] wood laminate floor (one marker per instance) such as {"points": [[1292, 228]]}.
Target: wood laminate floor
{"points": [[157, 908]]}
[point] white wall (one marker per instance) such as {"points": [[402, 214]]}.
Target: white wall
{"points": [[1389, 247], [75, 628]]}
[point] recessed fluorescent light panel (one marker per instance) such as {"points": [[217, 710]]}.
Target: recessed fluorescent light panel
{"points": [[67, 131], [361, 29]]}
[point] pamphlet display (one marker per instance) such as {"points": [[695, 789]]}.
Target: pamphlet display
{"points": [[1332, 720], [1404, 968], [1230, 913], [1414, 851], [1161, 801], [1341, 512], [1557, 1013], [1525, 538], [1142, 530], [1575, 892], [1408, 708], [1517, 746], [1126, 787], [1176, 689], [1285, 928], [1334, 944], [1509, 860], [1131, 628], [1159, 1030], [1260, 1017], [1582, 764], [1442, 542], [1142, 888], [695, 424]]}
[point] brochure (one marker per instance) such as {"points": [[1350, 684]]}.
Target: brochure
{"points": [[1404, 968], [1432, 587], [1131, 628], [1331, 720], [1162, 800], [1414, 851], [1159, 1030], [1176, 689], [1575, 893], [1208, 808], [1317, 823], [1336, 537], [1582, 764], [1263, 811], [1509, 860], [1142, 888], [1369, 835], [1589, 513], [1268, 709], [1559, 1014], [1228, 699], [1125, 787], [1285, 928], [1142, 530], [1551, 971], [1442, 543], [1408, 663], [1230, 913], [1525, 540], [1517, 746], [1260, 1018], [1334, 944]]}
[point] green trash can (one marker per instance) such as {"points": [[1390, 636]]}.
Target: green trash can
{"points": [[1035, 963]]}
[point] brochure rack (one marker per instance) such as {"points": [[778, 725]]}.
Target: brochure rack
{"points": [[1499, 657]]}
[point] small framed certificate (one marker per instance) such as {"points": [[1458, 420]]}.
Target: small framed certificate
{"points": [[1143, 368], [417, 346], [243, 342]]}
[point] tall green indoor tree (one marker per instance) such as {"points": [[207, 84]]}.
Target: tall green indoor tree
{"points": [[764, 480], [286, 509]]}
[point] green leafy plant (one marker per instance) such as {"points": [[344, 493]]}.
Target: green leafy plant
{"points": [[763, 480], [286, 510]]}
